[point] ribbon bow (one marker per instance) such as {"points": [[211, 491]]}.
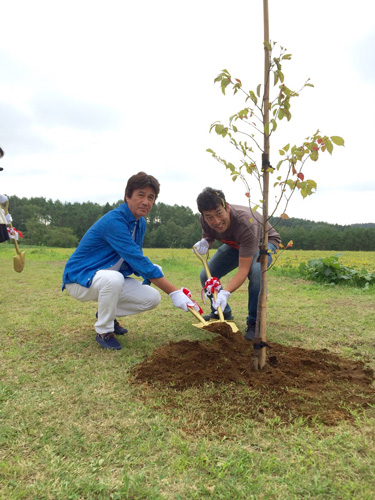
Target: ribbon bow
{"points": [[196, 306], [212, 285], [14, 233]]}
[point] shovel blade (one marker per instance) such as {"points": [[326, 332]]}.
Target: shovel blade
{"points": [[19, 262], [198, 325]]}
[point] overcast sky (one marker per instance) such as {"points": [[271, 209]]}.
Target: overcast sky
{"points": [[92, 92]]}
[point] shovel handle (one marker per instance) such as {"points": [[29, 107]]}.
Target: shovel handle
{"points": [[208, 274], [198, 316], [6, 206]]}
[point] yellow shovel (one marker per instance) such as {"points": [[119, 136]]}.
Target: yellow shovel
{"points": [[19, 259], [220, 312], [199, 317]]}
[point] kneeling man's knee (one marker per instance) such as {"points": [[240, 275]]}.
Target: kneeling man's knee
{"points": [[153, 299]]}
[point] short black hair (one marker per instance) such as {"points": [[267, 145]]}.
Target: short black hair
{"points": [[139, 181], [210, 199]]}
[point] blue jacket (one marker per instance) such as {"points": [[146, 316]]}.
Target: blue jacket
{"points": [[108, 240]]}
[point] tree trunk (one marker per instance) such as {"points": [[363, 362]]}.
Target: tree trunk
{"points": [[260, 358]]}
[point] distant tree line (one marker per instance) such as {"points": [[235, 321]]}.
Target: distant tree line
{"points": [[57, 224], [309, 235]]}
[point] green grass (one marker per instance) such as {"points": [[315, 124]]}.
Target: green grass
{"points": [[73, 426]]}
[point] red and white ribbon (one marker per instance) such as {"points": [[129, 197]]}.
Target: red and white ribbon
{"points": [[196, 306], [14, 233], [212, 285]]}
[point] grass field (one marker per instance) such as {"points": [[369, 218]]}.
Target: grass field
{"points": [[74, 426]]}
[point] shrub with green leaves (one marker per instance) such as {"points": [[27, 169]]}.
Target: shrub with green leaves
{"points": [[330, 270]]}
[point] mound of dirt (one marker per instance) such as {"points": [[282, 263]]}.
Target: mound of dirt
{"points": [[295, 381]]}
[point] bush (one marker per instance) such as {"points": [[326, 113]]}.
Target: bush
{"points": [[330, 270]]}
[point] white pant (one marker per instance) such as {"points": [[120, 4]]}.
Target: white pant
{"points": [[116, 296]]}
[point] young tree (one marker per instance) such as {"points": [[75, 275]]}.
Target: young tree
{"points": [[258, 121]]}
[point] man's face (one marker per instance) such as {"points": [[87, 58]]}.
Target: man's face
{"points": [[218, 219], [141, 201]]}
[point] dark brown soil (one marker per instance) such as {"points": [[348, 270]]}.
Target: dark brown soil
{"points": [[295, 382]]}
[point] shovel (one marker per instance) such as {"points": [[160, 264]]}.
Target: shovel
{"points": [[208, 274], [19, 259], [199, 317]]}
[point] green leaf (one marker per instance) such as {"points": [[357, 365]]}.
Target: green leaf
{"points": [[224, 84], [253, 97], [224, 74], [210, 151], [267, 46], [286, 148], [312, 184], [258, 89], [339, 141], [213, 125], [290, 183], [329, 146], [219, 128], [274, 125]]}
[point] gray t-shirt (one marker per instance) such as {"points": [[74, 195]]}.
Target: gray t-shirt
{"points": [[244, 232]]}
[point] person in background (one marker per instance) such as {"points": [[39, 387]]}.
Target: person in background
{"points": [[240, 231], [4, 218], [110, 251]]}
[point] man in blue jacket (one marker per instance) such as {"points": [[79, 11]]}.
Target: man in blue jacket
{"points": [[111, 250]]}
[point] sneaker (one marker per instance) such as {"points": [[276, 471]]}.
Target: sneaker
{"points": [[250, 331], [108, 341], [118, 329], [227, 316]]}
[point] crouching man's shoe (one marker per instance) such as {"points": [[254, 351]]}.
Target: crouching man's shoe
{"points": [[118, 329], [250, 331], [212, 315], [108, 341]]}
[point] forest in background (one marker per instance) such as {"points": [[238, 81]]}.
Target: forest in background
{"points": [[58, 224]]}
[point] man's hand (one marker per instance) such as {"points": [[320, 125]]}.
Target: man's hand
{"points": [[202, 246], [180, 298], [221, 300]]}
